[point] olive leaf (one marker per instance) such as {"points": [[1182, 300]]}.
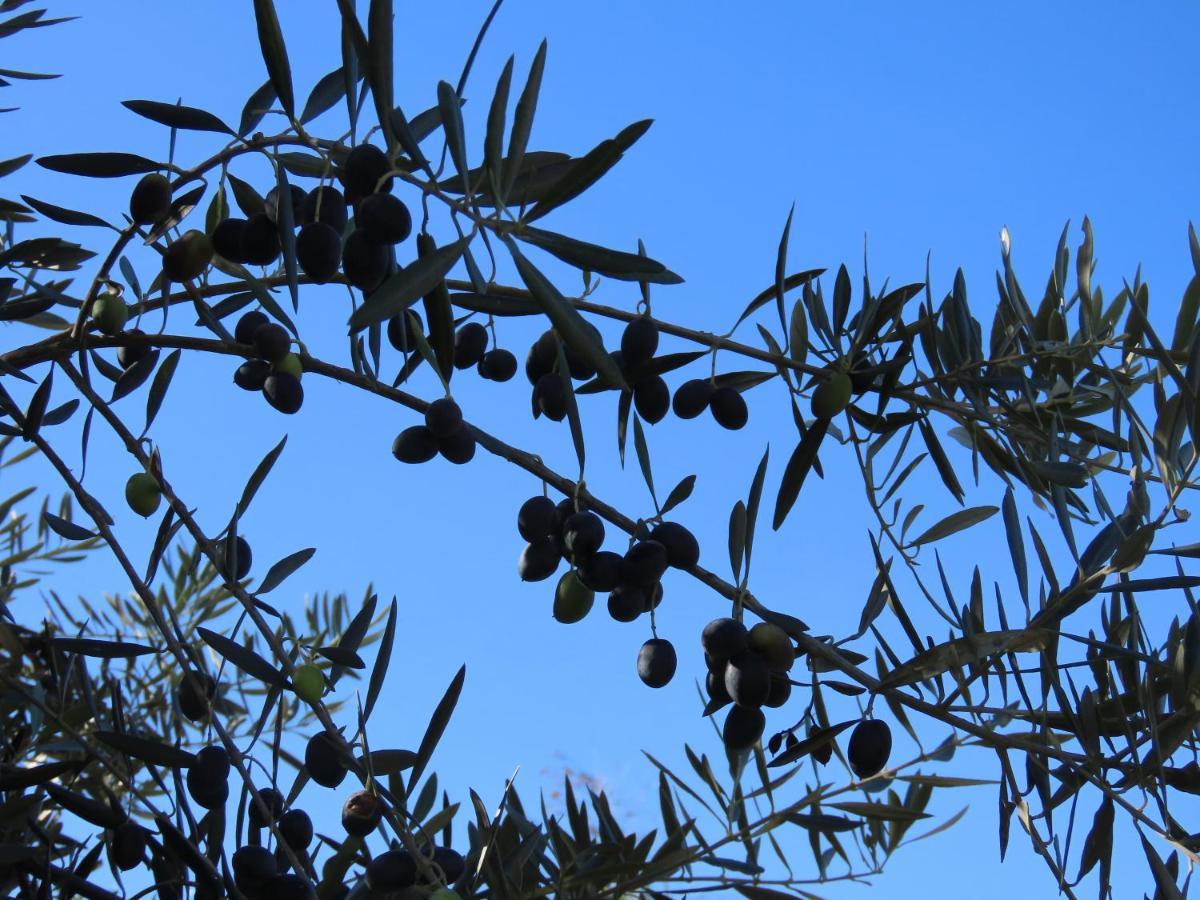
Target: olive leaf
{"points": [[177, 116], [954, 523], [270, 40], [99, 165], [242, 657]]}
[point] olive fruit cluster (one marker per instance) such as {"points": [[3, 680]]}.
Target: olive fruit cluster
{"points": [[254, 241], [319, 242], [258, 240], [396, 869], [748, 668], [639, 343], [208, 777], [256, 870], [444, 432], [632, 580], [185, 258], [869, 748], [549, 397], [726, 404], [380, 219], [274, 369]]}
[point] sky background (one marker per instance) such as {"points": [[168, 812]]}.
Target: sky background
{"points": [[920, 128]]}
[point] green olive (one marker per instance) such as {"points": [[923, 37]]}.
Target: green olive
{"points": [[309, 682], [110, 312], [143, 493]]}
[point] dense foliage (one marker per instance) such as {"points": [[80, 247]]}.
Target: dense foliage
{"points": [[143, 739]]}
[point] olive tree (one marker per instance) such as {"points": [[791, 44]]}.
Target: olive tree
{"points": [[146, 738]]}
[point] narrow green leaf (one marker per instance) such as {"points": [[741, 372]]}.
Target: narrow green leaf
{"points": [[587, 170], [390, 762], [352, 637], [65, 529], [16, 779], [518, 139], [63, 215], [823, 823], [325, 94], [593, 258], [841, 298], [796, 279], [797, 469], [438, 313], [955, 522], [98, 649], [1097, 846], [495, 306], [781, 267], [270, 39], [882, 811], [942, 462], [175, 115], [99, 165], [400, 290], [1163, 880], [643, 455], [382, 658], [1185, 319], [679, 493], [286, 218], [436, 727], [342, 657], [95, 812], [158, 388], [624, 405], [279, 572], [581, 337], [815, 741], [573, 421], [737, 539], [242, 657], [248, 200], [153, 752], [965, 651], [258, 476], [11, 165], [37, 407], [1016, 542], [493, 139], [378, 59], [798, 334], [452, 125], [256, 107], [753, 501], [218, 210]]}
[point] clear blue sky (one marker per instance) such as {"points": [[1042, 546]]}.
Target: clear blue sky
{"points": [[924, 127]]}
